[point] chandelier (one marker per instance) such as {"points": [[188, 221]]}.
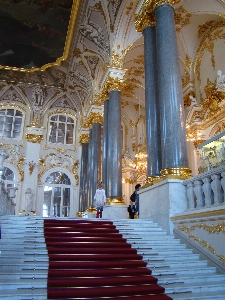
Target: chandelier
{"points": [[141, 162]]}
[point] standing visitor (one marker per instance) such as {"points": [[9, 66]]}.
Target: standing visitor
{"points": [[99, 200], [137, 187]]}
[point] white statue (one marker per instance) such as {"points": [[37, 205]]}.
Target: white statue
{"points": [[38, 95], [220, 82], [28, 200]]}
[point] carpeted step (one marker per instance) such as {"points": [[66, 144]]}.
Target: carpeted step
{"points": [[104, 281], [81, 239], [108, 267], [138, 271], [95, 257], [60, 292], [94, 244], [80, 233], [94, 250], [96, 264]]}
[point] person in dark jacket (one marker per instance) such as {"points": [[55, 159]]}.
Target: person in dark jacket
{"points": [[137, 187], [131, 209]]}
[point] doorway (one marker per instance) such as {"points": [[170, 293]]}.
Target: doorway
{"points": [[57, 192]]}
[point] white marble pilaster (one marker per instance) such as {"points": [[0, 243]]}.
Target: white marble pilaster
{"points": [[161, 201]]}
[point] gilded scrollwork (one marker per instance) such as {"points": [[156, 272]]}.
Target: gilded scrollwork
{"points": [[181, 17], [211, 229], [61, 160], [207, 43], [14, 158]]}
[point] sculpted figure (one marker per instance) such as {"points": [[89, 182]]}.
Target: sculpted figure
{"points": [[38, 95], [28, 200], [220, 80]]}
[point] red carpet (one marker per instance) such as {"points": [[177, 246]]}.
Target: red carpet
{"points": [[89, 259]]}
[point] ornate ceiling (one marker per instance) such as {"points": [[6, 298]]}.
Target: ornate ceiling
{"points": [[101, 33]]}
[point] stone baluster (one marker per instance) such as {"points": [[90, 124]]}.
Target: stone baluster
{"points": [[216, 187], [190, 195], [199, 193], [222, 181], [207, 190]]}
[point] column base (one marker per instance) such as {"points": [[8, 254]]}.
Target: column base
{"points": [[150, 181], [176, 173], [115, 201], [91, 209], [79, 214]]}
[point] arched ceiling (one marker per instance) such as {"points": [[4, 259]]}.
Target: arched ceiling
{"points": [[104, 34]]}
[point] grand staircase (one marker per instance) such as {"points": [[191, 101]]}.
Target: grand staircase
{"points": [[24, 261]]}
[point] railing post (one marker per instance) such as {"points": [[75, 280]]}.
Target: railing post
{"points": [[207, 190], [190, 195], [223, 184], [216, 187], [199, 193]]}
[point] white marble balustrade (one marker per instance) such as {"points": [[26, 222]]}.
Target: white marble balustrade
{"points": [[206, 189]]}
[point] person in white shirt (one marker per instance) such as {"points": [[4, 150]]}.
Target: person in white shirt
{"points": [[99, 200]]}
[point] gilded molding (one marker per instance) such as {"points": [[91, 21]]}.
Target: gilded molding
{"points": [[62, 111], [34, 138], [84, 138], [12, 104], [69, 37], [211, 230], [176, 173], [198, 142], [199, 215]]}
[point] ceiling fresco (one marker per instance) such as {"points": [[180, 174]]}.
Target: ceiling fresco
{"points": [[33, 32]]}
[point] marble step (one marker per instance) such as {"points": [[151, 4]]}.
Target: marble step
{"points": [[23, 283], [198, 278], [215, 295], [195, 288], [167, 259], [170, 263], [24, 273], [180, 271], [24, 294]]}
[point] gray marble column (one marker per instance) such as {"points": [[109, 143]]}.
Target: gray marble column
{"points": [[90, 169], [114, 153], [173, 130], [154, 158], [96, 157], [105, 146], [83, 203]]}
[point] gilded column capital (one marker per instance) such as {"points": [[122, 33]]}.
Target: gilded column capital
{"points": [[144, 20], [100, 98], [114, 84], [34, 138], [95, 118], [157, 3], [145, 14], [84, 138]]}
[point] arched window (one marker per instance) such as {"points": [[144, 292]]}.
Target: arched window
{"points": [[8, 177], [61, 130], [11, 120]]}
